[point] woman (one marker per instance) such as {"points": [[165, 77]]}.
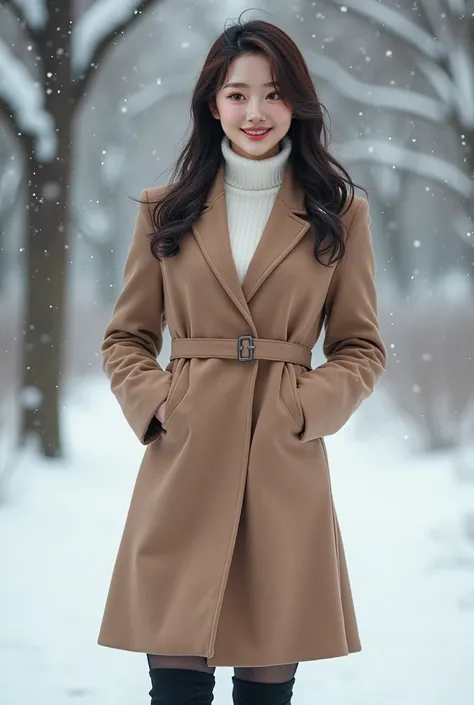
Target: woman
{"points": [[231, 553]]}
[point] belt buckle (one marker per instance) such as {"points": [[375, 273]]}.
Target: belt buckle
{"points": [[240, 347]]}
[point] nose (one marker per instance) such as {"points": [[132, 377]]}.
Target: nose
{"points": [[254, 111]]}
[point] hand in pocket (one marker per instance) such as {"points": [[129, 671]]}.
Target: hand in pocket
{"points": [[160, 413]]}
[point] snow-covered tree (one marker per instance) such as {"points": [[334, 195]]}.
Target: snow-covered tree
{"points": [[440, 35], [41, 106]]}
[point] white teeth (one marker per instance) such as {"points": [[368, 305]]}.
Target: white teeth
{"points": [[256, 132]]}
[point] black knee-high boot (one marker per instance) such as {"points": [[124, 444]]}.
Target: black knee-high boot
{"points": [[181, 686], [253, 693]]}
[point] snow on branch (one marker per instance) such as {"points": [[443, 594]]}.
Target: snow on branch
{"points": [[458, 7], [150, 95], [396, 24], [33, 12], [439, 24], [460, 61], [463, 71], [398, 99], [24, 97], [96, 25], [427, 166], [440, 81]]}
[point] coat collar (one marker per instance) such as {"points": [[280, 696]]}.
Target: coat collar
{"points": [[283, 230]]}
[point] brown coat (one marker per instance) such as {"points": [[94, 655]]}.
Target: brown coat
{"points": [[231, 548]]}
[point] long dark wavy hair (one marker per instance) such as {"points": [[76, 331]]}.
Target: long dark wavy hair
{"points": [[322, 178]]}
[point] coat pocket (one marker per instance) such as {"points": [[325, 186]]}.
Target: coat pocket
{"points": [[289, 394], [178, 388]]}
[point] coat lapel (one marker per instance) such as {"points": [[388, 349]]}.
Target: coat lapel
{"points": [[283, 230]]}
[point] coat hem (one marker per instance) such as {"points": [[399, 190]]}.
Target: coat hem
{"points": [[217, 662], [211, 661]]}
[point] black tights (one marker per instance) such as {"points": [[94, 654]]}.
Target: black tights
{"points": [[261, 674]]}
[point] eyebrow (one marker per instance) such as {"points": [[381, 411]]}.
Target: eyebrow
{"points": [[245, 85]]}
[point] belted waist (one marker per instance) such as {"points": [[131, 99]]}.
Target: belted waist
{"points": [[243, 348]]}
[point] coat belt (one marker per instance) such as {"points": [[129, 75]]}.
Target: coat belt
{"points": [[243, 348]]}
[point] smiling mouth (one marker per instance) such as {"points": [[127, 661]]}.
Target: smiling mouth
{"points": [[261, 131]]}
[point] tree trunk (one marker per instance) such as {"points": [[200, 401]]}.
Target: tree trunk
{"points": [[47, 253], [43, 321]]}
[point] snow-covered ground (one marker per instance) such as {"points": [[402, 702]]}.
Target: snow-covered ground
{"points": [[400, 518]]}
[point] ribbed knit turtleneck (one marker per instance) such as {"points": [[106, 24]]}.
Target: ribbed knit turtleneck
{"points": [[255, 174], [251, 186]]}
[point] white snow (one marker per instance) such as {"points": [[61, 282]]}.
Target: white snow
{"points": [[400, 517], [25, 97], [96, 23], [35, 12]]}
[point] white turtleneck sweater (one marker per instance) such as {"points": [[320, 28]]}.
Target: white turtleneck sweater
{"points": [[251, 186]]}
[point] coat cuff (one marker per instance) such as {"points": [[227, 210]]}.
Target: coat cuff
{"points": [[329, 396], [141, 413]]}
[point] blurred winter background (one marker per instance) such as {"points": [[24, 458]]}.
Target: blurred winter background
{"points": [[94, 104]]}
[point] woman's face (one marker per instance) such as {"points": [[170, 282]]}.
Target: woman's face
{"points": [[253, 105]]}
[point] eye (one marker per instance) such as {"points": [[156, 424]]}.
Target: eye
{"points": [[233, 94]]}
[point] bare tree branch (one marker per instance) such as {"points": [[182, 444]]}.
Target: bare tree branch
{"points": [[439, 23], [458, 63], [10, 187], [17, 11], [425, 165], [33, 28], [23, 101], [439, 79], [460, 7], [462, 68], [83, 70], [32, 17], [398, 99], [446, 59], [396, 24], [148, 96], [7, 112]]}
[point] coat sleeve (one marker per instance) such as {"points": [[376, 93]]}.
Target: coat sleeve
{"points": [[355, 353], [133, 337]]}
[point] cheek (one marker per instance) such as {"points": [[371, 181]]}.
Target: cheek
{"points": [[280, 114], [230, 112]]}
